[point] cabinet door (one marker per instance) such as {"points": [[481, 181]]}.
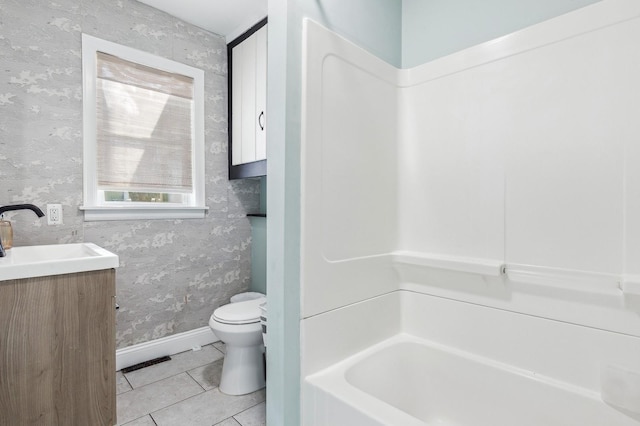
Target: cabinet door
{"points": [[261, 93], [247, 103], [57, 350], [235, 94], [248, 100]]}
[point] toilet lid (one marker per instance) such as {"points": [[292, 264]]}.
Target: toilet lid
{"points": [[240, 312]]}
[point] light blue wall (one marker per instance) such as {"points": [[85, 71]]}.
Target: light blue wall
{"points": [[259, 244], [375, 25], [435, 28], [283, 169]]}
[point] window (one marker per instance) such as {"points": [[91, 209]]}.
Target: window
{"points": [[143, 134]]}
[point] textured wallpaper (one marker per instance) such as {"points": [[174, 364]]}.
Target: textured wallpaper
{"points": [[173, 273]]}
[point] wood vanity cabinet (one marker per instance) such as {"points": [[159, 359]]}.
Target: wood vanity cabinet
{"points": [[57, 350], [247, 59]]}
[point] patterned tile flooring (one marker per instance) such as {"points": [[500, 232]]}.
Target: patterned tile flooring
{"points": [[184, 392]]}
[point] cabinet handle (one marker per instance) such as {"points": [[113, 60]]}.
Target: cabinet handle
{"points": [[260, 120]]}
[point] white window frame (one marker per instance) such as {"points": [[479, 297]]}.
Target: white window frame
{"points": [[94, 206]]}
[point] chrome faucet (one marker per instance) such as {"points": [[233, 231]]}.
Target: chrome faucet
{"points": [[9, 208]]}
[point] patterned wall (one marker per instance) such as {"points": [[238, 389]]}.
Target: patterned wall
{"points": [[173, 273]]}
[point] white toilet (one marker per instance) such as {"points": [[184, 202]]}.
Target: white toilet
{"points": [[238, 326]]}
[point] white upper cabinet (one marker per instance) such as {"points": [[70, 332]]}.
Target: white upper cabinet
{"points": [[247, 103]]}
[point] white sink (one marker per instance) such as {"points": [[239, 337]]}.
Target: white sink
{"points": [[56, 259]]}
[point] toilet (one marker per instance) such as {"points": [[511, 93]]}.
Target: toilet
{"points": [[237, 324]]}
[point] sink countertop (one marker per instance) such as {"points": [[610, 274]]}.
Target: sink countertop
{"points": [[55, 259]]}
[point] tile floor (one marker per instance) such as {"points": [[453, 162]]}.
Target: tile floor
{"points": [[184, 392]]}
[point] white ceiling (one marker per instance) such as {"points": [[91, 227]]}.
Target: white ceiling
{"points": [[228, 18]]}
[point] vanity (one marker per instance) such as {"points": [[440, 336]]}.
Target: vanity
{"points": [[57, 335]]}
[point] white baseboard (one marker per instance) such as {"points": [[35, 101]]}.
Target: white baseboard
{"points": [[169, 345]]}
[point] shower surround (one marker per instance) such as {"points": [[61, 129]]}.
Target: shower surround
{"points": [[501, 178]]}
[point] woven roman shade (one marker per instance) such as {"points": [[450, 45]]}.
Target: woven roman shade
{"points": [[144, 127]]}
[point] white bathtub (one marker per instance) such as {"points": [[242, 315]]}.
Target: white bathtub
{"points": [[406, 381]]}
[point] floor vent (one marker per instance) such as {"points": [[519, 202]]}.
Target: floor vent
{"points": [[146, 364]]}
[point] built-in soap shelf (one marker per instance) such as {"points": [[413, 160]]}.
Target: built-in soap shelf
{"points": [[630, 284], [569, 279], [256, 215], [566, 279], [487, 267]]}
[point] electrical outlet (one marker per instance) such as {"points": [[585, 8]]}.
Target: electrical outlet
{"points": [[54, 214]]}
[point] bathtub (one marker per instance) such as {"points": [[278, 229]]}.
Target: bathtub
{"points": [[407, 381]]}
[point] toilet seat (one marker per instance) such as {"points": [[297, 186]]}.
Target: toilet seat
{"points": [[243, 297], [246, 312]]}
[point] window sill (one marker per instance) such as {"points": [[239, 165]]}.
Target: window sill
{"points": [[136, 212]]}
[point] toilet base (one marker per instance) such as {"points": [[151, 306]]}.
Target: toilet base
{"points": [[242, 370]]}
